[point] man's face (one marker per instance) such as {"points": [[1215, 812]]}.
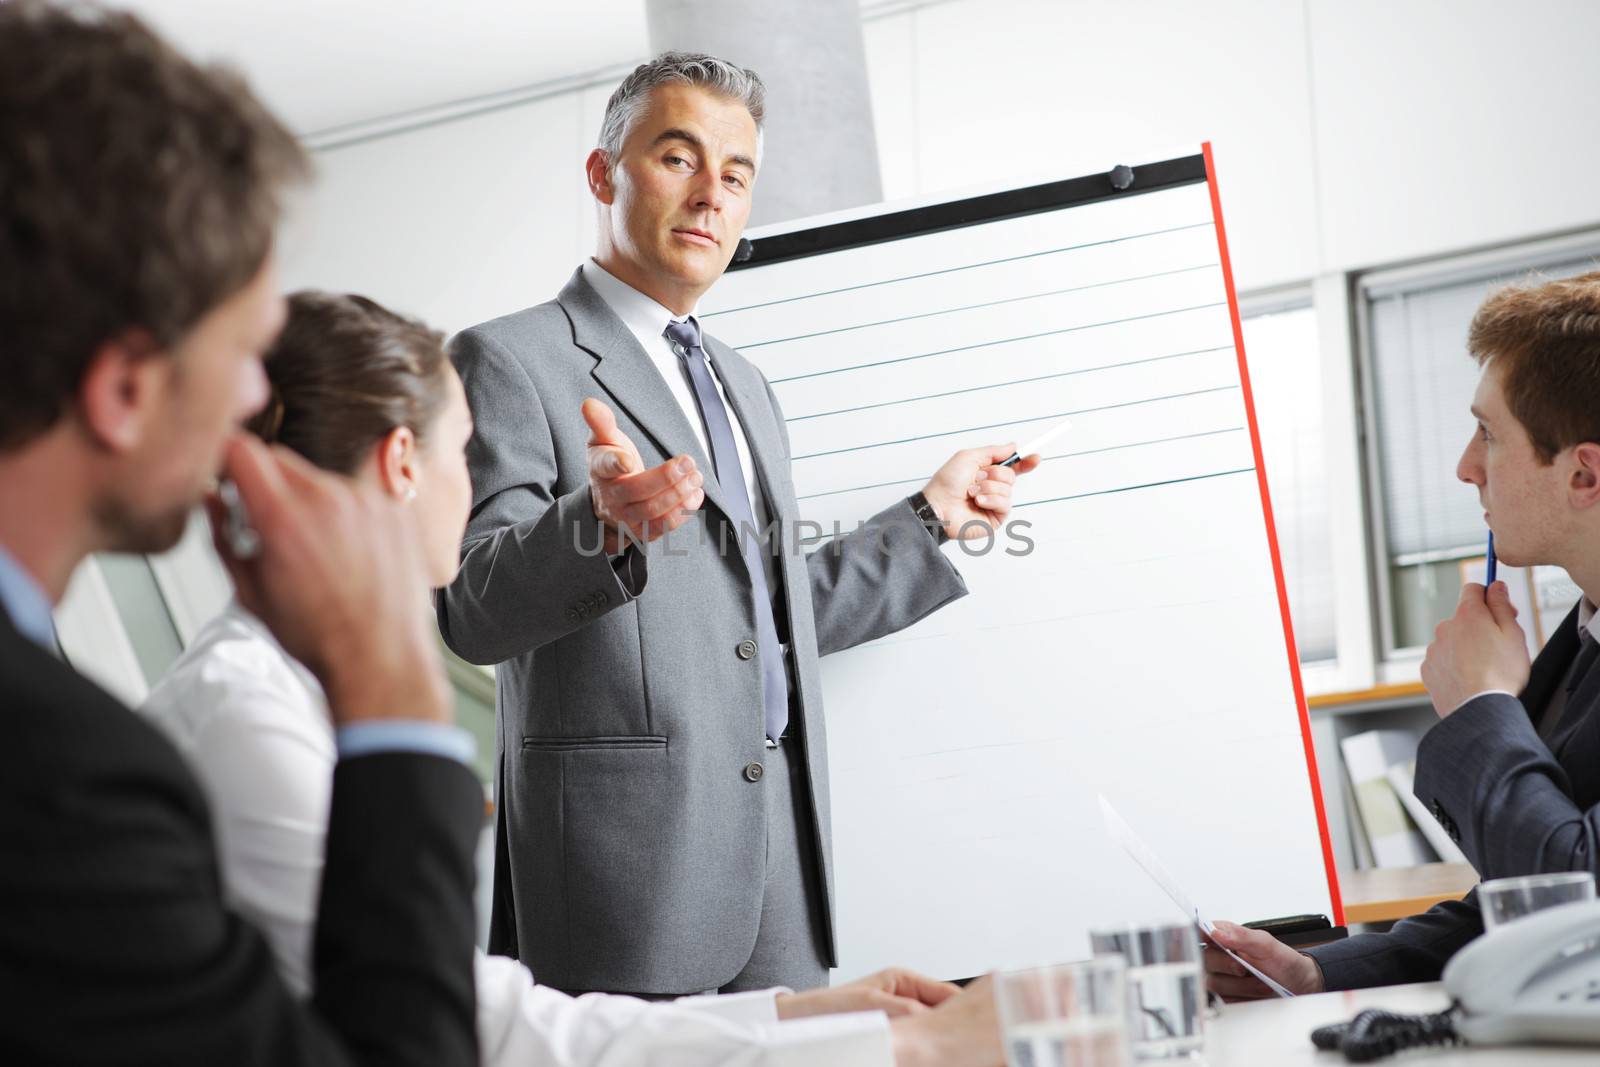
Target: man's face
{"points": [[1524, 499], [679, 196], [201, 392]]}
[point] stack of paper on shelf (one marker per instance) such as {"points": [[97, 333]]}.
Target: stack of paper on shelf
{"points": [[1394, 838], [1402, 776]]}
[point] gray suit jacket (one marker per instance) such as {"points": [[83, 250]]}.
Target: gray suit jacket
{"points": [[632, 844], [1514, 804]]}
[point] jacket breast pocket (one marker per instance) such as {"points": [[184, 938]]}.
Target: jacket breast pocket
{"points": [[603, 744]]}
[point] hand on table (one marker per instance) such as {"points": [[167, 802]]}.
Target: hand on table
{"points": [[896, 992], [971, 493], [339, 580], [646, 504], [1479, 648], [1293, 970], [963, 1031]]}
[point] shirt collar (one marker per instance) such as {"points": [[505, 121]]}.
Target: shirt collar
{"points": [[644, 317], [1588, 619], [25, 601]]}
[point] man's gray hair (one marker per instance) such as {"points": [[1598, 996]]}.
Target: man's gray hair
{"points": [[681, 68]]}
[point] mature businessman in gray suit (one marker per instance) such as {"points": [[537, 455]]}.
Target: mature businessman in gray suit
{"points": [[1514, 779], [663, 785]]}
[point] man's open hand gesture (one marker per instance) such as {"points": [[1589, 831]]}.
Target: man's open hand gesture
{"points": [[643, 503]]}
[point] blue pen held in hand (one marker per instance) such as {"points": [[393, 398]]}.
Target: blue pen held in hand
{"points": [[1488, 573]]}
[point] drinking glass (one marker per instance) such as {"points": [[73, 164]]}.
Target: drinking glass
{"points": [[1505, 899], [1166, 986], [1065, 1015]]}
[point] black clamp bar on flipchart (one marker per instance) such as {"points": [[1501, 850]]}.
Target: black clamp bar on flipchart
{"points": [[1121, 181]]}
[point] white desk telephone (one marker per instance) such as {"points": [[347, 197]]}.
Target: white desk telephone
{"points": [[1535, 980]]}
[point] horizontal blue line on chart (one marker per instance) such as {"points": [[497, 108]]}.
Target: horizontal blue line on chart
{"points": [[1014, 381], [1046, 459], [964, 266], [1001, 341], [979, 307], [1015, 422], [1134, 488], [917, 636]]}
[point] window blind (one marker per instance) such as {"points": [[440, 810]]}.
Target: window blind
{"points": [[1423, 381]]}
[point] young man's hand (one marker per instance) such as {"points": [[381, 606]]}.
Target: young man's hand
{"points": [[1293, 970], [1478, 649]]}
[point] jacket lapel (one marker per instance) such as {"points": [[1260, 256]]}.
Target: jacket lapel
{"points": [[1579, 728], [631, 380], [1550, 667], [1580, 732], [747, 394]]}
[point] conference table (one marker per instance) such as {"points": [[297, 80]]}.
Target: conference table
{"points": [[1278, 1032]]}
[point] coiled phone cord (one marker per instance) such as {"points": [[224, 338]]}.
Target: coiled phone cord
{"points": [[1374, 1034]]}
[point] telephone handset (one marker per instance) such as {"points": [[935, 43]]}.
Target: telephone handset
{"points": [[1534, 980]]}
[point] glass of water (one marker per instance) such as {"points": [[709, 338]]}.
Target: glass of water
{"points": [[1065, 1015], [1166, 986], [1505, 899]]}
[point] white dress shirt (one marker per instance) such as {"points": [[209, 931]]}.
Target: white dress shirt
{"points": [[647, 321], [254, 725], [1587, 622]]}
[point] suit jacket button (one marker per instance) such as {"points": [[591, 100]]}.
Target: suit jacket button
{"points": [[746, 650], [572, 616], [601, 599], [753, 772]]}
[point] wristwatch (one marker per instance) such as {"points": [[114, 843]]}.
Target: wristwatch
{"points": [[929, 518]]}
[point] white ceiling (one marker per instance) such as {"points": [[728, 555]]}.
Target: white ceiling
{"points": [[326, 63]]}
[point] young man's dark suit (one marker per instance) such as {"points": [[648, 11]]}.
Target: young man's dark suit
{"points": [[115, 943], [1515, 803]]}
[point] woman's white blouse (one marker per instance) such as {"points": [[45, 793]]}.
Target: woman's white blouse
{"points": [[254, 725]]}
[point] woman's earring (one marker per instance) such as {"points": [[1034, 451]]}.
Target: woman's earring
{"points": [[411, 492]]}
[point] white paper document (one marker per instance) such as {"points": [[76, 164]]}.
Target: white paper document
{"points": [[1123, 834]]}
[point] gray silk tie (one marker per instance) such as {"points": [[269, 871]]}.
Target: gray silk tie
{"points": [[730, 475]]}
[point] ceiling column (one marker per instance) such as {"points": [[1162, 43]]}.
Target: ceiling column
{"points": [[821, 151]]}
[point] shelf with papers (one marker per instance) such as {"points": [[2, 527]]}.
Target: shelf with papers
{"points": [[1386, 894]]}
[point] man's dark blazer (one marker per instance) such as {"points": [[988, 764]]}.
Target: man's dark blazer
{"points": [[1514, 804], [116, 946]]}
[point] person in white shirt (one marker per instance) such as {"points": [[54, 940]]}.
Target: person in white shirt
{"points": [[369, 394]]}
